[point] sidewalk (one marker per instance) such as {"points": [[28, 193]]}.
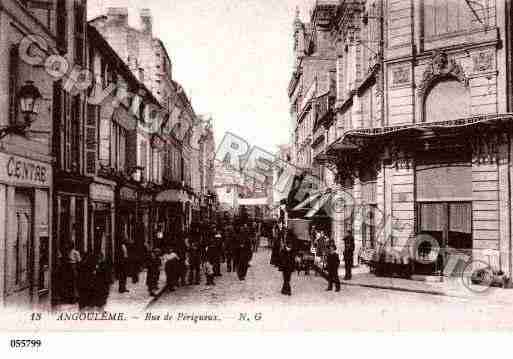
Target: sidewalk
{"points": [[450, 287], [137, 299]]}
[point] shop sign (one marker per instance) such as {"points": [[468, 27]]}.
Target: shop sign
{"points": [[146, 197], [128, 194], [19, 170], [102, 192]]}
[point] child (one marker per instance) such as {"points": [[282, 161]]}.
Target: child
{"points": [[152, 277], [333, 262]]}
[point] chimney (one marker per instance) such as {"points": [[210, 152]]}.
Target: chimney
{"points": [[146, 21], [119, 15]]}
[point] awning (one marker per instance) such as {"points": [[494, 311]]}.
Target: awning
{"points": [[172, 195], [356, 139]]}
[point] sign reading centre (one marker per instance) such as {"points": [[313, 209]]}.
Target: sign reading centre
{"points": [[24, 171]]}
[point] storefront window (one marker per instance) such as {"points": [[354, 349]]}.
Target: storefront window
{"points": [[44, 255]]}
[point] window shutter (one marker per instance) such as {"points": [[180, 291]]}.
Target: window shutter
{"points": [[67, 132], [13, 83], [61, 25], [57, 122], [90, 141]]}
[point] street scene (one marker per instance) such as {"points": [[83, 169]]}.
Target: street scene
{"points": [[327, 163]]}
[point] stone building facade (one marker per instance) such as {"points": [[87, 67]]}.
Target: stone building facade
{"points": [[26, 152], [422, 130]]}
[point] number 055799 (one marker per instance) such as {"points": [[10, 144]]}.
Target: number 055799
{"points": [[25, 343]]}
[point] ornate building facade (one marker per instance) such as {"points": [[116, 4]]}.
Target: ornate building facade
{"points": [[422, 130]]}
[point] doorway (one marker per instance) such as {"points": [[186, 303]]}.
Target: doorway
{"points": [[450, 224]]}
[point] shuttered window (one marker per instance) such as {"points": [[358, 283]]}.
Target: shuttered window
{"points": [[80, 34], [61, 30], [93, 112], [14, 60], [75, 135]]}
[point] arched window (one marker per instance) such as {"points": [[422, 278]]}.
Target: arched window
{"points": [[447, 100]]}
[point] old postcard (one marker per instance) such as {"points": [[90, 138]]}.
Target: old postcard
{"points": [[264, 165]]}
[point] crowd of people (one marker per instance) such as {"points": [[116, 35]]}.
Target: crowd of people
{"points": [[186, 258], [183, 258]]}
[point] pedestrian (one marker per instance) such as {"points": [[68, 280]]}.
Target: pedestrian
{"points": [[102, 281], [210, 260], [86, 282], [333, 262], [194, 257], [172, 267], [348, 254], [287, 266], [244, 256], [73, 260], [217, 254], [123, 265], [134, 261], [153, 274], [181, 250], [229, 250]]}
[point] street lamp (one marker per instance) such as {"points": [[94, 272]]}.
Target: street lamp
{"points": [[29, 101], [29, 96]]}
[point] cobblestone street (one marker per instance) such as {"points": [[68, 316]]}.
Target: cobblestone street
{"points": [[355, 307]]}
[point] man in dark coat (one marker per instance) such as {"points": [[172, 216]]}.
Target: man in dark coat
{"points": [[180, 250], [229, 248], [244, 254], [348, 254], [172, 268], [287, 266], [194, 263], [217, 246], [123, 265], [153, 274], [333, 262], [102, 280]]}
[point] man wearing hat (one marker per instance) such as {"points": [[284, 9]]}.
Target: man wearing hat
{"points": [[287, 266], [348, 254], [333, 262], [217, 247]]}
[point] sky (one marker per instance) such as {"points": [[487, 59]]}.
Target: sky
{"points": [[233, 58]]}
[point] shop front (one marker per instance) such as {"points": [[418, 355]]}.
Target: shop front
{"points": [[439, 193], [25, 230], [126, 211], [172, 219], [70, 222], [145, 219], [102, 220]]}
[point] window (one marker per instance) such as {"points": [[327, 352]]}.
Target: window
{"points": [[74, 133], [104, 148], [61, 24], [122, 149], [80, 20], [443, 17], [143, 158], [93, 115], [22, 251], [447, 100], [14, 61]]}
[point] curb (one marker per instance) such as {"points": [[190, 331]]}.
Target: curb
{"points": [[375, 286]]}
